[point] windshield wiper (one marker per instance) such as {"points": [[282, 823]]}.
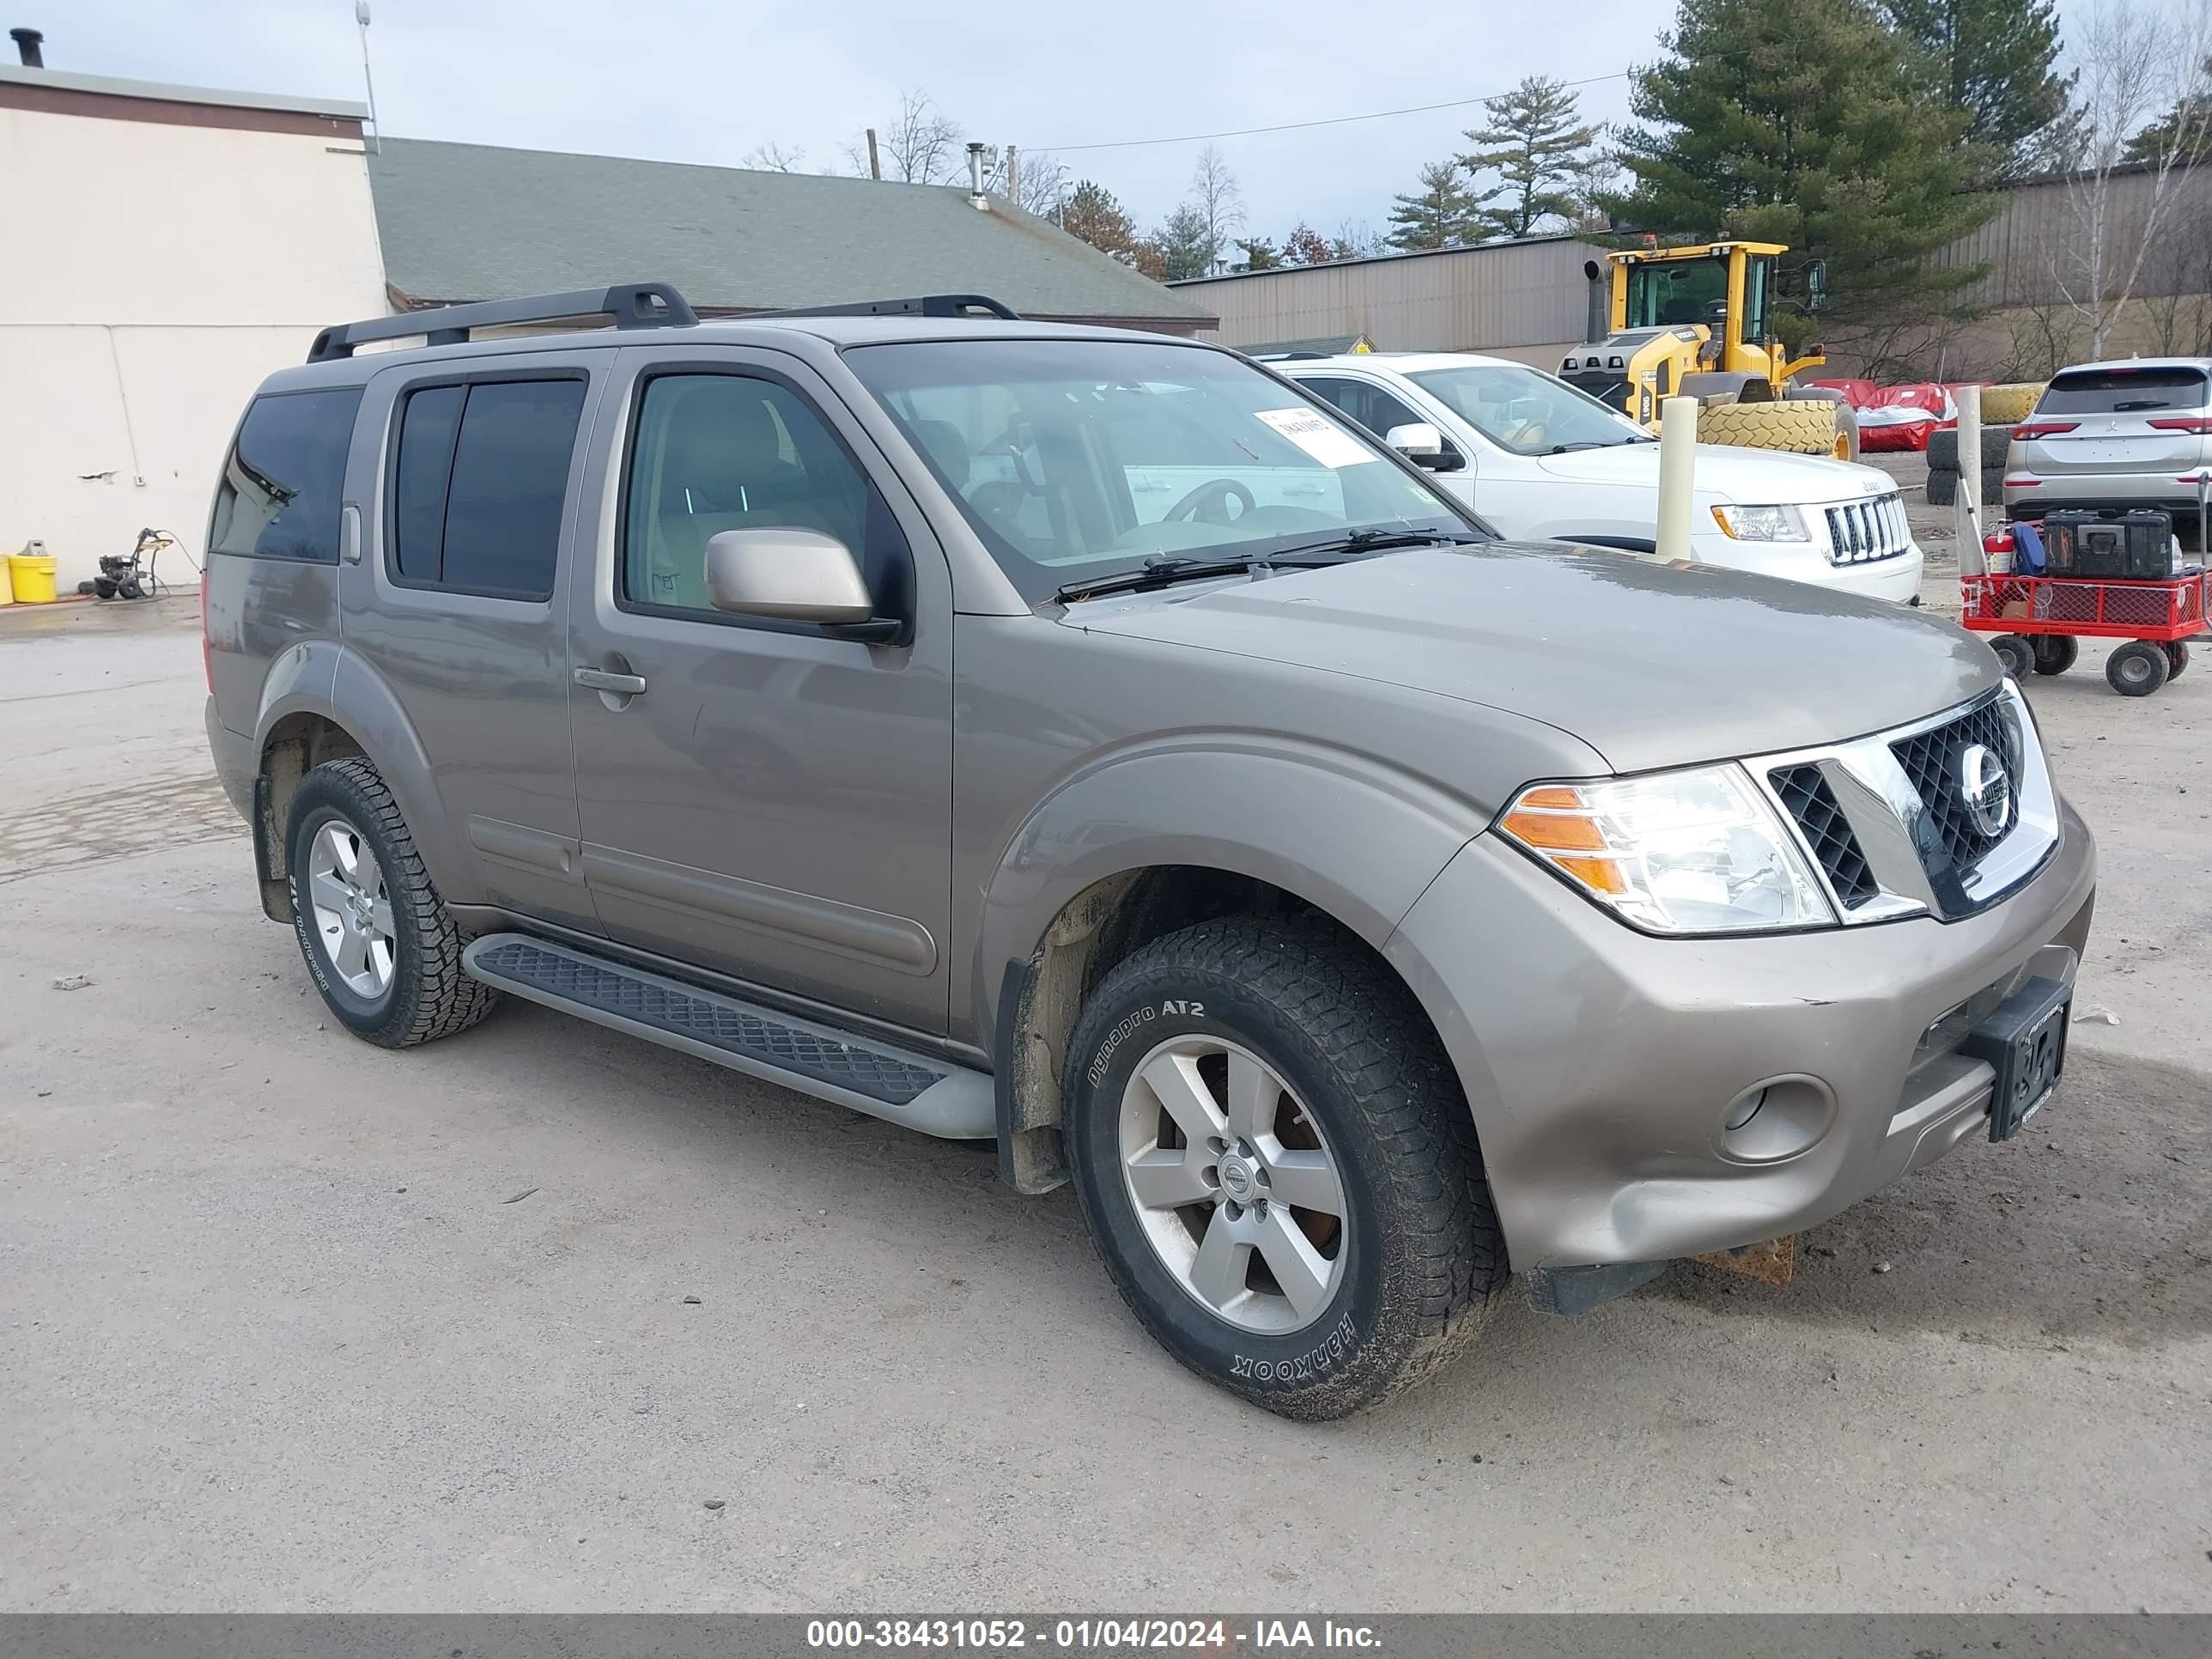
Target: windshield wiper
{"points": [[1161, 569], [1375, 538], [1158, 569]]}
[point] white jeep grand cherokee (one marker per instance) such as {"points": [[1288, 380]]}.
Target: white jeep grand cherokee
{"points": [[1541, 461]]}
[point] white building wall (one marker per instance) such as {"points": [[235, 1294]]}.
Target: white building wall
{"points": [[152, 273]]}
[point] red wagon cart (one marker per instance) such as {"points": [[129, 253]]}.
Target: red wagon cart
{"points": [[2038, 619]]}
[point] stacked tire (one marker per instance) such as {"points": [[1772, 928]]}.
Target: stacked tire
{"points": [[1943, 473], [1793, 426], [2010, 404]]}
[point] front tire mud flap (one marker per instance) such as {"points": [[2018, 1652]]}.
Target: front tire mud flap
{"points": [[1568, 1292]]}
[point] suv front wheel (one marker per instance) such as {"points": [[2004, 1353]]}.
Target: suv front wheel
{"points": [[1277, 1164], [377, 940]]}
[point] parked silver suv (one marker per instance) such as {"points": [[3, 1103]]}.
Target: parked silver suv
{"points": [[1089, 740], [2118, 435]]}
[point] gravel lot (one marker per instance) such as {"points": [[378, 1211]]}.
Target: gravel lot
{"points": [[293, 1323]]}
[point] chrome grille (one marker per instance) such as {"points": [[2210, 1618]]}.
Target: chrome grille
{"points": [[1806, 796], [1860, 533], [1931, 761], [1884, 820]]}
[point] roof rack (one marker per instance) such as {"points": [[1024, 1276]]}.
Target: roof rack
{"points": [[632, 305], [920, 305]]}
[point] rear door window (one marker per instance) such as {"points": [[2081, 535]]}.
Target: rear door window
{"points": [[2125, 391], [281, 488], [478, 487]]}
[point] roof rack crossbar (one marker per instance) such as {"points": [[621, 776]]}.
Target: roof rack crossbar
{"points": [[920, 305], [632, 305]]}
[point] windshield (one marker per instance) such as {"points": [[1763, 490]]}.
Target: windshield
{"points": [[1670, 293], [1074, 460], [1526, 411]]}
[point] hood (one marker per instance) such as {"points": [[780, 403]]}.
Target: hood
{"points": [[1650, 665], [1725, 473]]}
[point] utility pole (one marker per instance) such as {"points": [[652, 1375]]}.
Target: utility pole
{"points": [[875, 164], [1013, 177], [375, 129]]}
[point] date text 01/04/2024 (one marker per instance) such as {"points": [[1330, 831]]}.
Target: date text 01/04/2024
{"points": [[1087, 1635]]}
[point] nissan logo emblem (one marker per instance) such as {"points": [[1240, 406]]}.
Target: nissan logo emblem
{"points": [[1985, 790]]}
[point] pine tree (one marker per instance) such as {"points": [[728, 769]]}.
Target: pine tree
{"points": [[1186, 244], [2182, 133], [1260, 253], [1535, 141], [1809, 122], [1998, 61], [1441, 214], [1092, 215]]}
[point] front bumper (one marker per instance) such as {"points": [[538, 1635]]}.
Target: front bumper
{"points": [[1600, 1062], [1895, 579]]}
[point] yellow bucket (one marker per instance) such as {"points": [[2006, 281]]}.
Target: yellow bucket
{"points": [[33, 577], [7, 585]]}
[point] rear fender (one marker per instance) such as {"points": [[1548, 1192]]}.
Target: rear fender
{"points": [[337, 685]]}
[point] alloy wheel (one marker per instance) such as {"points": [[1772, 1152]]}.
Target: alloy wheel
{"points": [[353, 912], [1233, 1183]]}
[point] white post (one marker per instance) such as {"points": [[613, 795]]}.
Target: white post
{"points": [[1677, 457], [1966, 509]]}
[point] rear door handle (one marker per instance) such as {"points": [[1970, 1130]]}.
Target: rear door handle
{"points": [[599, 680]]}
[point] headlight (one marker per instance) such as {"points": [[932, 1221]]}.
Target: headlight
{"points": [[1762, 523], [1695, 852]]}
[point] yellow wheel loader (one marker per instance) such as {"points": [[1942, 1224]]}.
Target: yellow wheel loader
{"points": [[1696, 322]]}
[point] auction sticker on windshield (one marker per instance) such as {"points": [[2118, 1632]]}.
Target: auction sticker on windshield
{"points": [[1330, 445]]}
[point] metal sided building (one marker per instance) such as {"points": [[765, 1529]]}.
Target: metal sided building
{"points": [[1526, 300]]}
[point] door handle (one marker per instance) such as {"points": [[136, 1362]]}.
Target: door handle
{"points": [[599, 680]]}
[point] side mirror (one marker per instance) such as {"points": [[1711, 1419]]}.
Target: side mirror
{"points": [[1816, 284], [788, 575], [1423, 446]]}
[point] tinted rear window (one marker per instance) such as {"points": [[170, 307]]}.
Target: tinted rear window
{"points": [[483, 471], [280, 490], [2125, 391]]}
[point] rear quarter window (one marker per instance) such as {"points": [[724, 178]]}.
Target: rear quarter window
{"points": [[2125, 391], [282, 483]]}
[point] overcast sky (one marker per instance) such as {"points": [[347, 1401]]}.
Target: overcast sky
{"points": [[693, 81]]}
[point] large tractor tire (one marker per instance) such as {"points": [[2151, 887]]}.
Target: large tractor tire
{"points": [[1943, 486], [2008, 406], [1796, 428]]}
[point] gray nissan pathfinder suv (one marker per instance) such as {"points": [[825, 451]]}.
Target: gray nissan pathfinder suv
{"points": [[1089, 740]]}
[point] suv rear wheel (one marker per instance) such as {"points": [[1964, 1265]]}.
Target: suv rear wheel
{"points": [[1276, 1162], [377, 938]]}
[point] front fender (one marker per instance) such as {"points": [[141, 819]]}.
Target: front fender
{"points": [[1353, 835], [339, 686]]}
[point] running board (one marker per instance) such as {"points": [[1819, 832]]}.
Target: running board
{"points": [[932, 1096]]}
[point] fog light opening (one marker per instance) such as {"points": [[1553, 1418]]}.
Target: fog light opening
{"points": [[1745, 1108], [1775, 1120]]}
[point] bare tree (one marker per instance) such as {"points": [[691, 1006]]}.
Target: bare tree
{"points": [[1040, 183], [1592, 178], [1214, 192], [773, 157], [920, 144], [2136, 64]]}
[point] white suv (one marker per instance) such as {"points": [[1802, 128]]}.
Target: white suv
{"points": [[1542, 461]]}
